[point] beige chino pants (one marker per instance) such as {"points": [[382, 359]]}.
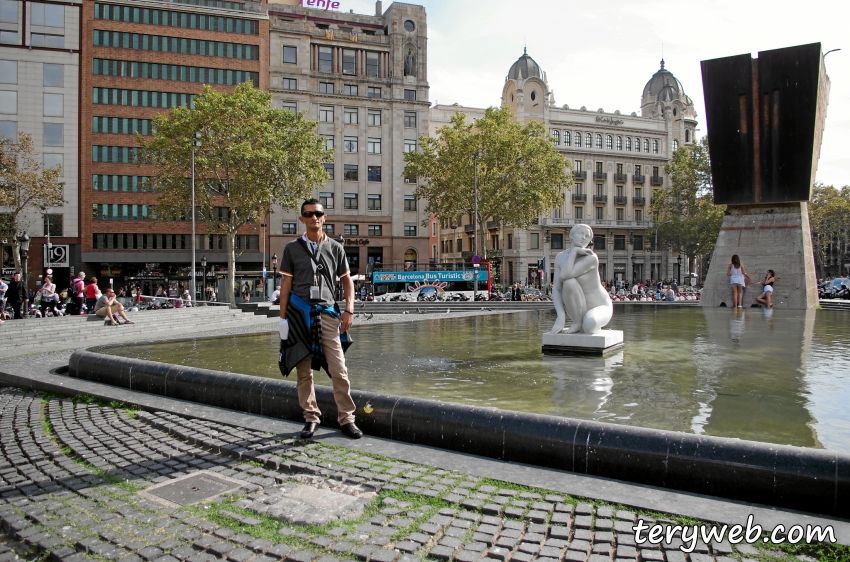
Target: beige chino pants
{"points": [[339, 377]]}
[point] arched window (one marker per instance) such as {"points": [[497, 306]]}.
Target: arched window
{"points": [[655, 146], [646, 145], [578, 139], [675, 145], [687, 136], [588, 140], [609, 142], [567, 138], [598, 140], [619, 143], [556, 136], [628, 143], [637, 144]]}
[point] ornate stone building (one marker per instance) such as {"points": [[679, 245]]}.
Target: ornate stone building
{"points": [[617, 161]]}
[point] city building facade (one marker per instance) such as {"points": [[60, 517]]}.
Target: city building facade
{"points": [[141, 58], [617, 161], [39, 77], [364, 80]]}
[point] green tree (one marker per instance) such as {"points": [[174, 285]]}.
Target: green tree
{"points": [[25, 186], [520, 174], [828, 212], [685, 214], [252, 156]]}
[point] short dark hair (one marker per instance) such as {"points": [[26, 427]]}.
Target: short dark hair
{"points": [[310, 201]]}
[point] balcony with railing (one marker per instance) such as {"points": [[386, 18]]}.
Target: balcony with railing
{"points": [[600, 175], [639, 200], [579, 175], [620, 199], [579, 197], [468, 227], [638, 178], [600, 198], [492, 225], [656, 180], [569, 222], [621, 178]]}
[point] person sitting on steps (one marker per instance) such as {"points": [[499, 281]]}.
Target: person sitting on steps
{"points": [[107, 306]]}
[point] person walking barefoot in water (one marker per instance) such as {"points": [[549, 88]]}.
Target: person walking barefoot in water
{"points": [[736, 273]]}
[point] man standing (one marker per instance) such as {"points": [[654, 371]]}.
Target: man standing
{"points": [[17, 295], [311, 267]]}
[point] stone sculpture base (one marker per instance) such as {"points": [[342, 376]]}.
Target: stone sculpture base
{"points": [[765, 237], [602, 344]]}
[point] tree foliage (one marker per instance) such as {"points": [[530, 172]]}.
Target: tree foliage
{"points": [[25, 186], [829, 210], [685, 214], [520, 174], [252, 156]]}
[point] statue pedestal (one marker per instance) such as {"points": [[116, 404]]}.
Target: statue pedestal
{"points": [[602, 344]]}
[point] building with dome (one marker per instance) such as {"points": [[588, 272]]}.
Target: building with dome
{"points": [[618, 159]]}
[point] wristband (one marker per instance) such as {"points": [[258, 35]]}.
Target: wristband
{"points": [[348, 311]]}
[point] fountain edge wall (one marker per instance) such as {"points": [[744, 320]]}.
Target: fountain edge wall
{"points": [[812, 480]]}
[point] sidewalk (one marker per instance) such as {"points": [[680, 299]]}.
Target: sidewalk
{"points": [[174, 481]]}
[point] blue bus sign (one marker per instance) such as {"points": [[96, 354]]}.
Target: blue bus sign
{"points": [[429, 276]]}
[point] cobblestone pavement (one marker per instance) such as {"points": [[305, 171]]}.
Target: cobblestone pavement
{"points": [[76, 484]]}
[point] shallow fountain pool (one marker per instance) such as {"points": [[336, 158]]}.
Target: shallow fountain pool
{"points": [[780, 378]]}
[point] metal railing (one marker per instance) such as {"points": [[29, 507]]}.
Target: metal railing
{"points": [[621, 178], [656, 180], [600, 198], [638, 178], [579, 197], [600, 175], [580, 175], [639, 200], [620, 199]]}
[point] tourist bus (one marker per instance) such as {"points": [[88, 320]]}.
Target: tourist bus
{"points": [[409, 281]]}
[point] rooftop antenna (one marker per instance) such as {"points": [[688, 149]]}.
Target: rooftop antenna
{"points": [[524, 46]]}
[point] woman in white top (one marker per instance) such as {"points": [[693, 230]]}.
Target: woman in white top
{"points": [[736, 274], [48, 289]]}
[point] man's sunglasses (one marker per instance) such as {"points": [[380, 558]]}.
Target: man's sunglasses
{"points": [[311, 214]]}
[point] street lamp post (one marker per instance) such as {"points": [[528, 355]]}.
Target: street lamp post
{"points": [[195, 143], [679, 269], [24, 242], [475, 156], [204, 268]]}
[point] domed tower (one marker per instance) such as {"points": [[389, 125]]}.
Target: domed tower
{"points": [[526, 89], [664, 98]]}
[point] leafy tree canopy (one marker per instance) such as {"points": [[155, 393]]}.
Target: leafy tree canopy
{"points": [[829, 210], [520, 173]]}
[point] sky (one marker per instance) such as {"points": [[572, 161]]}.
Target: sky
{"points": [[600, 54]]}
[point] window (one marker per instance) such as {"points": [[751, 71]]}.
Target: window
{"points": [[373, 92], [9, 72], [51, 15], [599, 242], [578, 166], [54, 105], [409, 178], [349, 144], [351, 230], [327, 198], [646, 145], [567, 138], [53, 224], [511, 239], [609, 142], [620, 213], [578, 140], [373, 173], [373, 202], [637, 169], [556, 136], [600, 213], [326, 113], [557, 241], [329, 168], [579, 213], [639, 217], [410, 95], [460, 244], [156, 71], [619, 241], [54, 75], [47, 40], [349, 200], [655, 171], [620, 191], [637, 144], [619, 169], [373, 117], [598, 167], [375, 230], [9, 129], [409, 119], [535, 240], [588, 140], [326, 61], [409, 26], [600, 189], [409, 230], [409, 145], [350, 174], [619, 143], [329, 141], [409, 203], [349, 89], [598, 141], [291, 106], [373, 146], [326, 87], [328, 229], [655, 146], [290, 84], [687, 136], [579, 189], [348, 64], [53, 134], [638, 192], [628, 143], [288, 228], [53, 161], [372, 65], [350, 115], [9, 11], [9, 37], [290, 55], [675, 145]]}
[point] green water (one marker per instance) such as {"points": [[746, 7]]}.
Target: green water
{"points": [[781, 379]]}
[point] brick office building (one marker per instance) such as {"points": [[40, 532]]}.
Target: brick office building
{"points": [[140, 58]]}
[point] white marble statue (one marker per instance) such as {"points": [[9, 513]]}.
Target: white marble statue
{"points": [[577, 291]]}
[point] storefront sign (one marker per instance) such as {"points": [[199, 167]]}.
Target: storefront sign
{"points": [[320, 4], [9, 271], [57, 255], [429, 276], [609, 120]]}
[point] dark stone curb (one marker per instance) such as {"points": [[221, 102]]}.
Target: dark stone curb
{"points": [[810, 480]]}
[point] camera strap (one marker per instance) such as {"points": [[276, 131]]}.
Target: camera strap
{"points": [[319, 269]]}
